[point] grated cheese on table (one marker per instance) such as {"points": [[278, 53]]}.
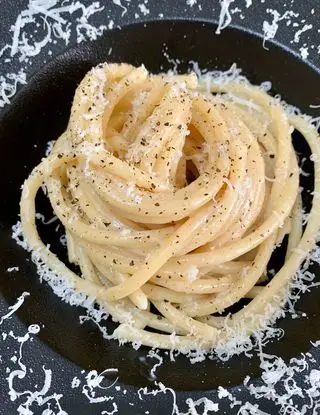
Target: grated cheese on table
{"points": [[52, 21], [224, 17], [9, 84], [299, 32], [304, 52]]}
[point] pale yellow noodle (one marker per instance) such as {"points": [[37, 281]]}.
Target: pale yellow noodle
{"points": [[174, 197]]}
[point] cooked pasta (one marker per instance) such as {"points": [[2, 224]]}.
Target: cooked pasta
{"points": [[173, 195]]}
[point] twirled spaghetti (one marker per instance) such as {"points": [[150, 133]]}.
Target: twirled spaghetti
{"points": [[175, 196]]}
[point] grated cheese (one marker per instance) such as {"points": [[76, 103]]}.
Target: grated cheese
{"points": [[75, 382], [280, 383], [224, 17], [270, 29], [155, 355], [192, 273], [56, 25], [15, 306], [191, 3], [12, 269], [276, 376], [143, 9], [118, 3], [9, 84], [304, 52], [50, 21], [299, 32], [208, 405], [94, 380], [28, 398], [114, 410]]}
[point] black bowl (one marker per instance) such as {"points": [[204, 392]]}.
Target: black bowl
{"points": [[40, 112]]}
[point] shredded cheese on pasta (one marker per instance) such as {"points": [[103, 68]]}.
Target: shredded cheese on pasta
{"points": [[174, 192]]}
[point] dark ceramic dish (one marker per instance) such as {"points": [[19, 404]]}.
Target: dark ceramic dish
{"points": [[40, 112]]}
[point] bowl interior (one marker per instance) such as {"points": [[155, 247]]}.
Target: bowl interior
{"points": [[40, 112]]}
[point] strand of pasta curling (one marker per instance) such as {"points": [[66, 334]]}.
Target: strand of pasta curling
{"points": [[142, 231]]}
